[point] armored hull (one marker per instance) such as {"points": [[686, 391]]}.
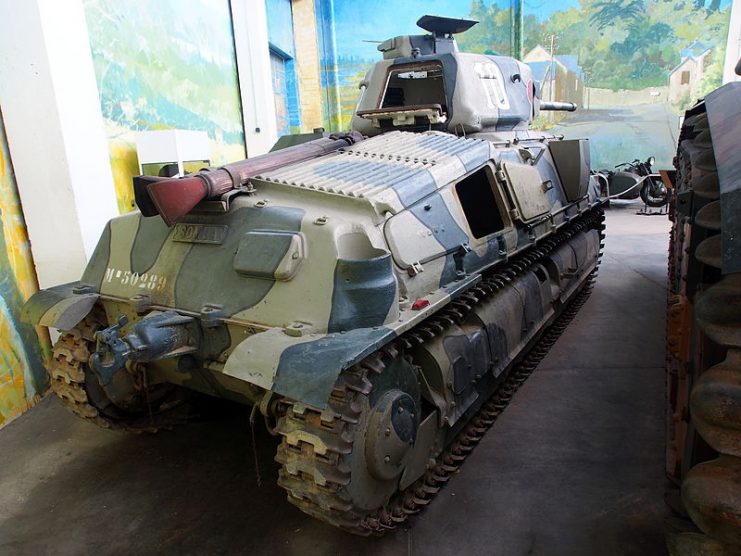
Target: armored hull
{"points": [[379, 303], [303, 293]]}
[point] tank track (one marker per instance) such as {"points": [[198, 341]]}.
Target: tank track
{"points": [[312, 470], [682, 282], [67, 371], [703, 362], [68, 380]]}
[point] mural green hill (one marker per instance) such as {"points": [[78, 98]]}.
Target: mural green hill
{"points": [[620, 44]]}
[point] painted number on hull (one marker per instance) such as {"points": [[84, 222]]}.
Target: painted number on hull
{"points": [[199, 233], [145, 280], [492, 81]]}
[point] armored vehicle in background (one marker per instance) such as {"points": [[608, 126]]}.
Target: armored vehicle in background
{"points": [[704, 330], [378, 295]]}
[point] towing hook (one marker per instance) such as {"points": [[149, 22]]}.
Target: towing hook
{"points": [[111, 351]]}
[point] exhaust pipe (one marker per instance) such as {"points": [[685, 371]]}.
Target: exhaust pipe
{"points": [[173, 198]]}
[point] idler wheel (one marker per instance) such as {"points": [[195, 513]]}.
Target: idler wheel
{"points": [[391, 432]]}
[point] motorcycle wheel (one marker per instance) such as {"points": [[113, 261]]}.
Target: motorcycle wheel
{"points": [[654, 195], [604, 183]]}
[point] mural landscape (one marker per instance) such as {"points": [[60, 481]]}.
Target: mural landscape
{"points": [[22, 347], [162, 65], [632, 66], [627, 55]]}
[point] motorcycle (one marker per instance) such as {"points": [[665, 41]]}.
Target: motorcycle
{"points": [[630, 180]]}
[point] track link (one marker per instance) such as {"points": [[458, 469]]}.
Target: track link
{"points": [[68, 373], [703, 359], [67, 370], [314, 441]]}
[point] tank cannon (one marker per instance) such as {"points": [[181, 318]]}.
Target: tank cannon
{"points": [[173, 198]]}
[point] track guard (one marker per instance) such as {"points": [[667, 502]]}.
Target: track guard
{"points": [[303, 368], [61, 307]]}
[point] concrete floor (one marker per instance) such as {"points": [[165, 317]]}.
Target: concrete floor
{"points": [[574, 466]]}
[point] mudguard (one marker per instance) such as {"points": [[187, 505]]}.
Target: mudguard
{"points": [[624, 183], [305, 367], [59, 307], [302, 368]]}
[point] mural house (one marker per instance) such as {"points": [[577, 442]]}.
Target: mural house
{"points": [[685, 78], [560, 76]]}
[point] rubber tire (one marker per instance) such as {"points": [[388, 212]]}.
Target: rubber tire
{"points": [[651, 201]]}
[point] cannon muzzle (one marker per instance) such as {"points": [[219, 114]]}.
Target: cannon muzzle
{"points": [[173, 198], [566, 106]]}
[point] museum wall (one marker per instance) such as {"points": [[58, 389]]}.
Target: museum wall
{"points": [[22, 346], [283, 66], [163, 64]]}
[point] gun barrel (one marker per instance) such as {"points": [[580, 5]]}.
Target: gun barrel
{"points": [[173, 198], [567, 106]]}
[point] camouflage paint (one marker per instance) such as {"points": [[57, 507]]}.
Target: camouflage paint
{"points": [[307, 292], [22, 347], [163, 65], [363, 293]]}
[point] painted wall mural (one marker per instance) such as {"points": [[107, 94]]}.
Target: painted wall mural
{"points": [[22, 347], [622, 62], [164, 64], [632, 66]]}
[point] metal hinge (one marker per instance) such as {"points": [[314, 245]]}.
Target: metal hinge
{"points": [[415, 268]]}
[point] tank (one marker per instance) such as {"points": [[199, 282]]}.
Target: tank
{"points": [[703, 460], [377, 295]]}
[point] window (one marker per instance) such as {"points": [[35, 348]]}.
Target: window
{"points": [[282, 65], [280, 91], [415, 85], [685, 78], [478, 196]]}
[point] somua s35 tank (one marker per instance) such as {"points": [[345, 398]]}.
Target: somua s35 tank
{"points": [[378, 295]]}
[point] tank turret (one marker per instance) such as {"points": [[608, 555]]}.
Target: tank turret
{"points": [[424, 82]]}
